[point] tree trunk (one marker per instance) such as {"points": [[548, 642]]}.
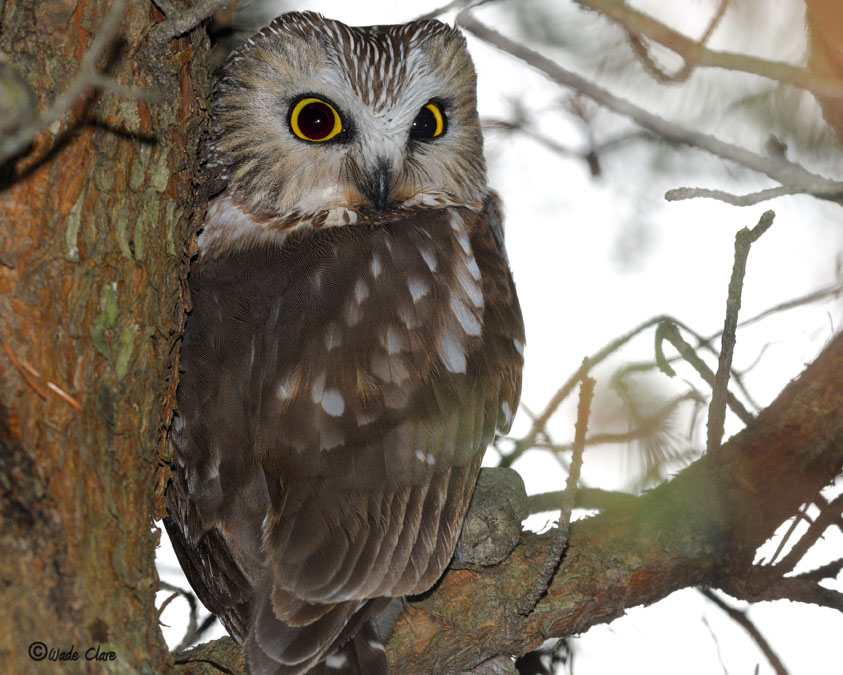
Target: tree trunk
{"points": [[93, 220]]}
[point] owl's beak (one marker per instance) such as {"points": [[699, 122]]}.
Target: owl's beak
{"points": [[375, 186]]}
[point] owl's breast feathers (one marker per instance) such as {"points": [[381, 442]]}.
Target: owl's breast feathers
{"points": [[339, 390]]}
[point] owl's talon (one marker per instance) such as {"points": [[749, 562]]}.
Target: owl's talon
{"points": [[492, 526]]}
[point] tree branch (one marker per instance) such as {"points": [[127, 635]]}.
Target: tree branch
{"points": [[717, 407], [560, 541], [700, 528], [789, 174], [744, 622], [693, 52]]}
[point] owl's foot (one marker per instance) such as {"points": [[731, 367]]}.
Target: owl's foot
{"points": [[492, 526]]}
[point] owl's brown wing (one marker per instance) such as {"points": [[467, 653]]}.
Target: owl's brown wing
{"points": [[337, 398]]}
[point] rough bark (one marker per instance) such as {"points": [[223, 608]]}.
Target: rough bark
{"points": [[93, 221], [825, 54]]}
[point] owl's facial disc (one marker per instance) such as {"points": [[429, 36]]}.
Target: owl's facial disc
{"points": [[345, 125]]}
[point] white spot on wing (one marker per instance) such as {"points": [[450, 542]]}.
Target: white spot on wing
{"points": [[318, 387], [451, 352], [471, 264], [329, 436], [471, 287], [375, 266], [333, 402], [287, 387], [426, 457], [364, 418], [408, 317], [374, 644], [519, 346], [333, 336], [418, 288], [507, 412], [394, 341], [352, 313], [361, 291], [429, 258], [336, 661], [466, 317]]}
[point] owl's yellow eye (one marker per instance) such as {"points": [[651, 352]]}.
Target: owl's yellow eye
{"points": [[313, 119], [429, 123]]}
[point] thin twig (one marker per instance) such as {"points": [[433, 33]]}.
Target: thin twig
{"points": [[86, 77], [667, 330], [828, 571], [540, 422], [801, 515], [785, 172], [828, 516], [679, 194], [813, 296], [688, 66], [796, 589], [716, 644], [586, 498], [454, 4], [690, 50], [717, 408], [744, 622], [192, 631], [181, 20], [560, 541]]}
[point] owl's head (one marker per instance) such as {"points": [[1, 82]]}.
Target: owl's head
{"points": [[321, 123]]}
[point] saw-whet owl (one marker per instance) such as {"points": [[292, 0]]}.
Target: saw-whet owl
{"points": [[354, 340]]}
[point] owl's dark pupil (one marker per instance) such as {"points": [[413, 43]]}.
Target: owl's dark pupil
{"points": [[316, 120], [424, 126]]}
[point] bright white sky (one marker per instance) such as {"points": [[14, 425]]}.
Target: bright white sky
{"points": [[594, 257]]}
